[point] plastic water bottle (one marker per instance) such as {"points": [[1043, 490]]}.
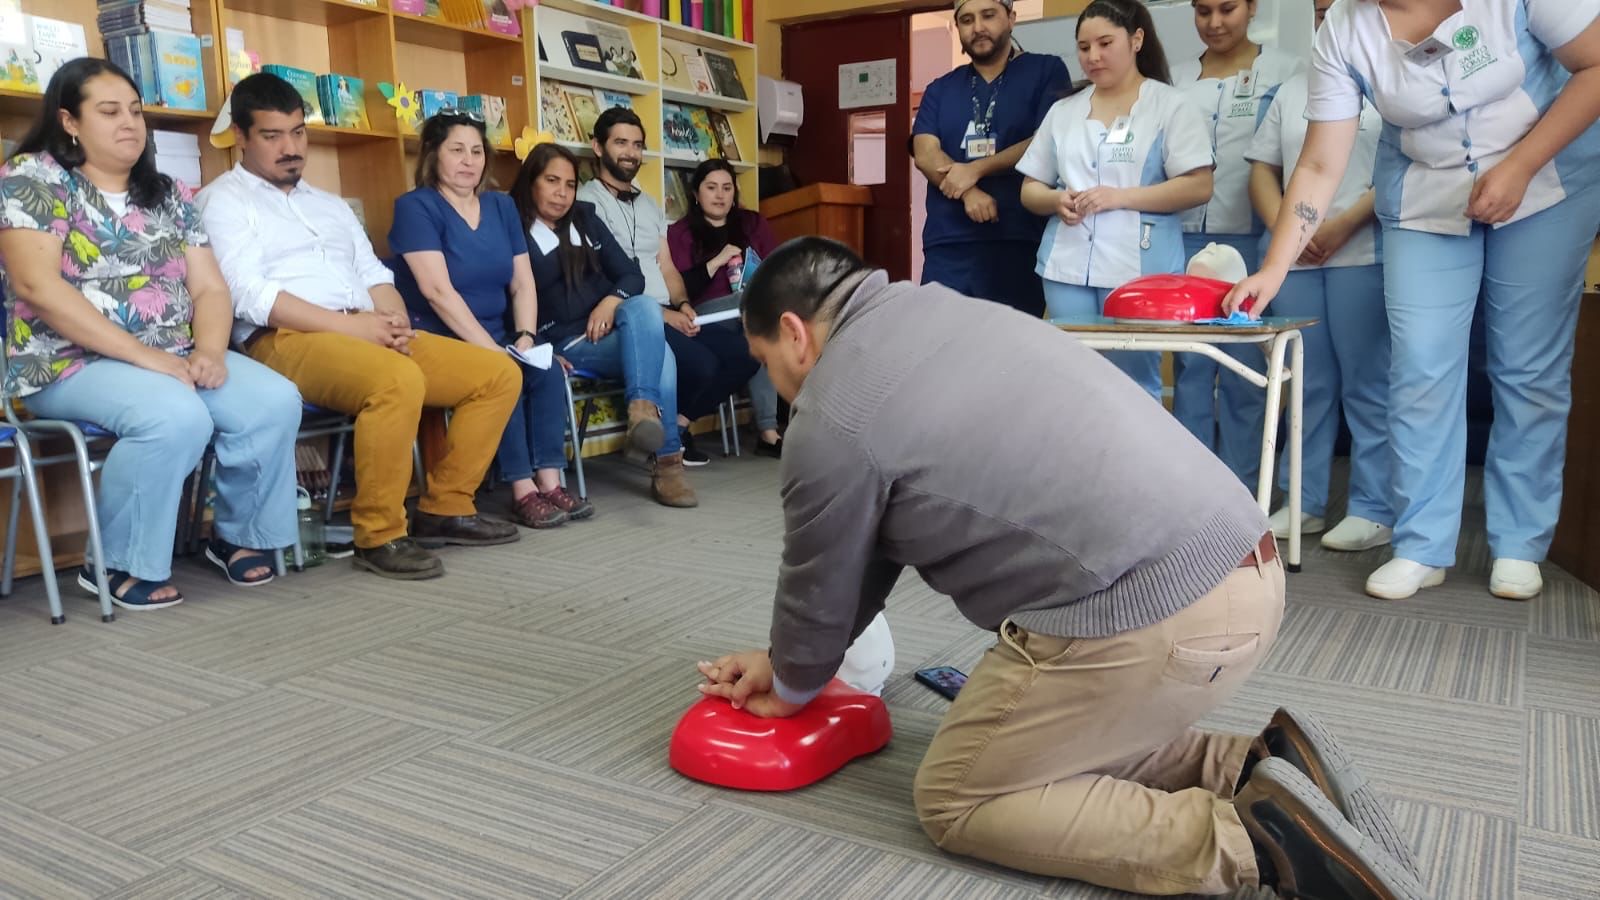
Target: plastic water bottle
{"points": [[313, 543], [736, 273]]}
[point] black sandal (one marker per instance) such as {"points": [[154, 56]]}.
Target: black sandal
{"points": [[220, 552], [136, 597]]}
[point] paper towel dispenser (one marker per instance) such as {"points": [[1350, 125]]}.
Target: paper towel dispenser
{"points": [[780, 109]]}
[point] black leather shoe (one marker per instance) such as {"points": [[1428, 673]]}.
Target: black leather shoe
{"points": [[401, 559], [1307, 850], [468, 531], [1303, 741]]}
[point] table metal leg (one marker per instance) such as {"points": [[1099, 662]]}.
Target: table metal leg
{"points": [[1297, 383], [1269, 430]]}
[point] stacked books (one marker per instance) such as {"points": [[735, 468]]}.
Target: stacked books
{"points": [[730, 18], [178, 155], [153, 41], [489, 15]]}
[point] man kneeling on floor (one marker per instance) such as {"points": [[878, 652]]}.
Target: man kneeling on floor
{"points": [[1128, 574], [314, 303]]}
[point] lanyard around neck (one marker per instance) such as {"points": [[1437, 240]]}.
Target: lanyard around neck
{"points": [[982, 125]]}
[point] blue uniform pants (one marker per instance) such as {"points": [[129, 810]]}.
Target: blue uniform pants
{"points": [[1001, 271], [1073, 301], [1530, 275], [1221, 409]]}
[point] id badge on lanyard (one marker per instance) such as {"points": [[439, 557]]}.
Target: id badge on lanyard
{"points": [[981, 141], [1121, 131]]}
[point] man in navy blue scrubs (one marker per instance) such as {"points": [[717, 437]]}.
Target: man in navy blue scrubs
{"points": [[973, 127]]}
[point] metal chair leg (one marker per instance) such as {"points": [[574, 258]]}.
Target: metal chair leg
{"points": [[41, 534], [91, 512], [722, 428], [8, 567], [733, 422], [417, 469], [337, 467], [577, 439], [277, 562]]}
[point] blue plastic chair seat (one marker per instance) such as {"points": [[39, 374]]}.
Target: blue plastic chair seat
{"points": [[7, 432]]}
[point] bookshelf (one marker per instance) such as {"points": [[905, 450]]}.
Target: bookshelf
{"points": [[376, 44]]}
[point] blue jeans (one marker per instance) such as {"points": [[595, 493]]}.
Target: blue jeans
{"points": [[712, 365], [1212, 402], [636, 352], [1530, 277], [1071, 301], [536, 434], [1347, 361], [763, 396], [162, 429]]}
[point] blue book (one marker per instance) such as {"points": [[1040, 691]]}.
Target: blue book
{"points": [[180, 82]]}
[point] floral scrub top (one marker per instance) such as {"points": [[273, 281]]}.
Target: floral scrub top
{"points": [[131, 267]]}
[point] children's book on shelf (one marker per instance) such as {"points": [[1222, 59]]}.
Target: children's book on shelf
{"points": [[614, 99], [492, 110], [677, 194], [674, 64], [181, 82], [343, 103], [55, 43], [434, 101], [554, 115], [499, 18], [583, 49], [725, 75], [17, 69], [303, 82], [616, 45], [242, 62], [705, 139], [699, 74], [585, 111], [725, 138], [410, 7], [678, 136]]}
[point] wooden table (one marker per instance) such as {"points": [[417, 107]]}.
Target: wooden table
{"points": [[1276, 337]]}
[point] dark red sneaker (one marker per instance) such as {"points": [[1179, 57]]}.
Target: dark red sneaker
{"points": [[534, 511], [575, 507]]}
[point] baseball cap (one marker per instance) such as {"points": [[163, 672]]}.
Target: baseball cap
{"points": [[961, 3]]}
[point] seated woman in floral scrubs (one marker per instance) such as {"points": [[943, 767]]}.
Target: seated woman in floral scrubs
{"points": [[117, 315]]}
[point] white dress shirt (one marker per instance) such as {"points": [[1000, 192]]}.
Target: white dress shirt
{"points": [[306, 242]]}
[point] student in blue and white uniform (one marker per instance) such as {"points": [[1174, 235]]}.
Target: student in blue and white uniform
{"points": [[1226, 84], [1338, 280], [1488, 181], [1113, 165]]}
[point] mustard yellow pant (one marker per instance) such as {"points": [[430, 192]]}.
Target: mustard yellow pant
{"points": [[386, 392]]}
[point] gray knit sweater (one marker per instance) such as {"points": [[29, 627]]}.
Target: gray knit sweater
{"points": [[1017, 471]]}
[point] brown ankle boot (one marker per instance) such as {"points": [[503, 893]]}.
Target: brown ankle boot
{"points": [[644, 426], [669, 485]]}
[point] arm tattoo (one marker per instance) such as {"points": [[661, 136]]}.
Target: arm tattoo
{"points": [[1309, 217]]}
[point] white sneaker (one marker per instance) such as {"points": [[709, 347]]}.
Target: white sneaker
{"points": [[1279, 522], [1399, 579], [1355, 534], [1515, 579]]}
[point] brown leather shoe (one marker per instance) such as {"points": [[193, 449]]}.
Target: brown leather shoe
{"points": [[575, 507], [645, 433], [468, 531], [669, 485], [400, 559], [534, 511]]}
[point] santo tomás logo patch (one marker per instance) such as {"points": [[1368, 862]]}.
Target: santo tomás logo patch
{"points": [[1465, 37]]}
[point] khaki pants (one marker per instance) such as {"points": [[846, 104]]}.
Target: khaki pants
{"points": [[386, 392], [1076, 758]]}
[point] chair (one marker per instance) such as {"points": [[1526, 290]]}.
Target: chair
{"points": [[728, 424], [21, 472]]}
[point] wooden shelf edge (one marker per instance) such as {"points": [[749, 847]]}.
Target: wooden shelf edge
{"points": [[703, 38], [709, 101], [443, 35], [548, 71]]}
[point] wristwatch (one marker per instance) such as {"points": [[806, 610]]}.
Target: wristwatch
{"points": [[525, 334]]}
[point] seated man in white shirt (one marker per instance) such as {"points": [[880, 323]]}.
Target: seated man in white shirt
{"points": [[314, 303]]}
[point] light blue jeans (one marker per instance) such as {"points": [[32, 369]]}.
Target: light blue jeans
{"points": [[763, 396], [1072, 301], [636, 353], [1530, 276], [162, 429], [1347, 360], [1213, 403]]}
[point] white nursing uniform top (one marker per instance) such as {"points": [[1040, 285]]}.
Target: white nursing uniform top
{"points": [[1230, 108], [1162, 139], [1279, 142], [1454, 105]]}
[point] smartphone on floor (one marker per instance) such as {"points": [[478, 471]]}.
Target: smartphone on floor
{"points": [[947, 680]]}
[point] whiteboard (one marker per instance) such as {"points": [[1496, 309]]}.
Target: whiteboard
{"points": [[1285, 24]]}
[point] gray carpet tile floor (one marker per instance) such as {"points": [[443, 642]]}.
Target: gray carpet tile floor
{"points": [[503, 732]]}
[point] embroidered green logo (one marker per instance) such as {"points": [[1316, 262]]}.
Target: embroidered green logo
{"points": [[1465, 38]]}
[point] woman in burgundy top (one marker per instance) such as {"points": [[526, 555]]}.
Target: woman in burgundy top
{"points": [[709, 246]]}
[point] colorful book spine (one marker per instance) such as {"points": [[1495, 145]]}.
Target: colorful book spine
{"points": [[651, 8], [749, 17], [675, 12], [697, 10], [736, 18]]}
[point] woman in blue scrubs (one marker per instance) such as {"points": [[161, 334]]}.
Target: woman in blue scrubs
{"points": [[1338, 281], [1227, 85], [1488, 183], [1113, 165]]}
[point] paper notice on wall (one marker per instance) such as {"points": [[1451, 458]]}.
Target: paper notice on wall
{"points": [[868, 84]]}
